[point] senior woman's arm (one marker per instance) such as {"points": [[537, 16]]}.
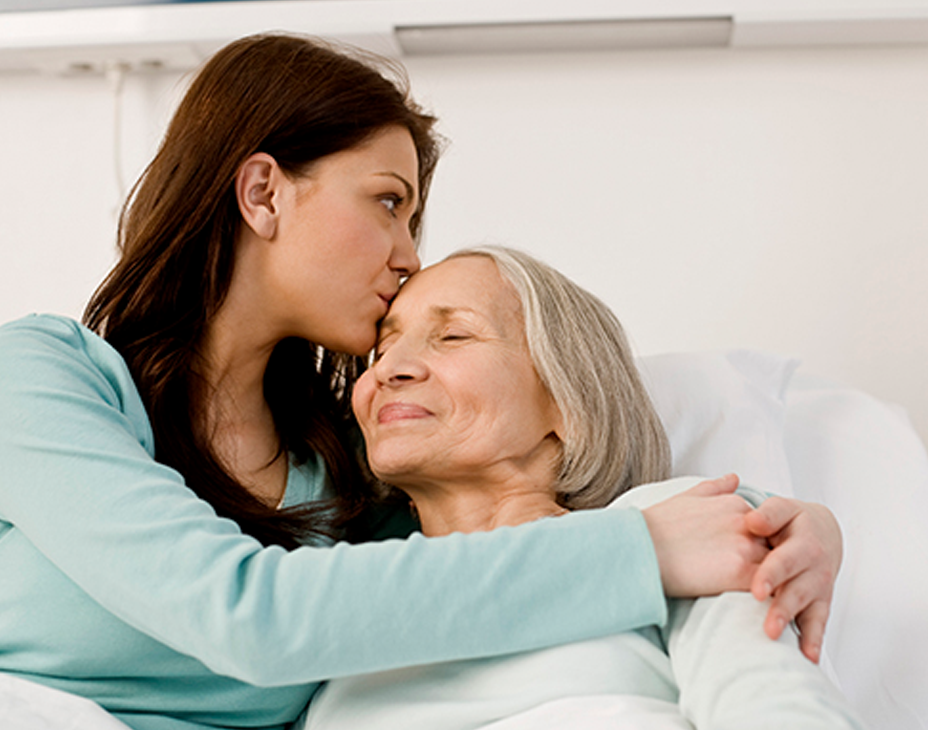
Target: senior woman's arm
{"points": [[733, 677]]}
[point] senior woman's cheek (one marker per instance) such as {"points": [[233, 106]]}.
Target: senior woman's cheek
{"points": [[361, 397]]}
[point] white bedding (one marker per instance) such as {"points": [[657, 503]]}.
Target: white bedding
{"points": [[598, 712], [855, 453], [862, 458], [786, 433]]}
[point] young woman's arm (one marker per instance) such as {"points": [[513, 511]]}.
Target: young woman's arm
{"points": [[80, 483]]}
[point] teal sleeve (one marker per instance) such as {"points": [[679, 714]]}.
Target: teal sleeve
{"points": [[80, 481], [752, 496]]}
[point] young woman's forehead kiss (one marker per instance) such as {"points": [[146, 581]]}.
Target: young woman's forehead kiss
{"points": [[321, 256]]}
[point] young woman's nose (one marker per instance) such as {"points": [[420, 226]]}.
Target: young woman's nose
{"points": [[401, 364], [405, 258]]}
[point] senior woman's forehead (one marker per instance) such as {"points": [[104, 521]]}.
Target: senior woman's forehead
{"points": [[473, 282]]}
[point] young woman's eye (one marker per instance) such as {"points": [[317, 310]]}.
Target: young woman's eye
{"points": [[391, 203]]}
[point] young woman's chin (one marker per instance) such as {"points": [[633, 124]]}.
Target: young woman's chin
{"points": [[358, 346]]}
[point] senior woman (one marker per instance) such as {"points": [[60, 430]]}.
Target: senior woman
{"points": [[503, 392]]}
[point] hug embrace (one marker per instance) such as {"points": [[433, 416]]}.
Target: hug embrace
{"points": [[190, 535]]}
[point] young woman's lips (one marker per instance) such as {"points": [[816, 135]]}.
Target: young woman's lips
{"points": [[393, 412]]}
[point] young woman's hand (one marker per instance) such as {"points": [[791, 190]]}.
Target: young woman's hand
{"points": [[703, 543], [800, 571], [708, 540]]}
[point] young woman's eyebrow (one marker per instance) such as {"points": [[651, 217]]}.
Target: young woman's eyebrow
{"points": [[410, 190]]}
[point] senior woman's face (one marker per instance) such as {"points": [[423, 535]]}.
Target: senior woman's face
{"points": [[453, 393]]}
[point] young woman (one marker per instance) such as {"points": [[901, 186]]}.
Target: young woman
{"points": [[173, 472]]}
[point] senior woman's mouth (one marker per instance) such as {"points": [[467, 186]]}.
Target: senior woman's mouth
{"points": [[401, 412]]}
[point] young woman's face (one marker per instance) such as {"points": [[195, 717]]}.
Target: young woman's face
{"points": [[453, 394], [343, 243]]}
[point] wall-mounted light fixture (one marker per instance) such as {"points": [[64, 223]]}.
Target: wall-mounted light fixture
{"points": [[587, 35]]}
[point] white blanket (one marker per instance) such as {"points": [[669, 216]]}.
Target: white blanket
{"points": [[598, 712]]}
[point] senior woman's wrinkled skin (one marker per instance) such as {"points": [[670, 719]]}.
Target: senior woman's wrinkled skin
{"points": [[453, 410]]}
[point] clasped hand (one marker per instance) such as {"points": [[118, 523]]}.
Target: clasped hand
{"points": [[709, 540]]}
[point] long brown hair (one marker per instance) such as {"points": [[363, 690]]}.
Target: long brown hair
{"points": [[297, 100]]}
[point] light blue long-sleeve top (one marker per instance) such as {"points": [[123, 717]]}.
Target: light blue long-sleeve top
{"points": [[119, 584]]}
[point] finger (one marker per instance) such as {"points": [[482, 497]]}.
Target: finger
{"points": [[712, 487], [772, 516], [797, 595], [783, 564], [774, 624], [811, 623]]}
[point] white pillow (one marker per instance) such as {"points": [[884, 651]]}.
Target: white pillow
{"points": [[862, 458], [724, 412]]}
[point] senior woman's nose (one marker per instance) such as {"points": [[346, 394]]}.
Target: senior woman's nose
{"points": [[401, 364]]}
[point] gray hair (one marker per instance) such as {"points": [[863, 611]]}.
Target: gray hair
{"points": [[613, 438]]}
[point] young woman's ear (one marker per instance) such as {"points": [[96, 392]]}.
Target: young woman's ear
{"points": [[257, 191]]}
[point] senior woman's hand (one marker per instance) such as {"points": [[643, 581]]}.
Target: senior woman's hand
{"points": [[801, 569]]}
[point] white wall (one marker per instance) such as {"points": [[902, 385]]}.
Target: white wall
{"points": [[58, 193], [762, 199], [774, 200]]}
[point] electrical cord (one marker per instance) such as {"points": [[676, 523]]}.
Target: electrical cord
{"points": [[115, 72]]}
